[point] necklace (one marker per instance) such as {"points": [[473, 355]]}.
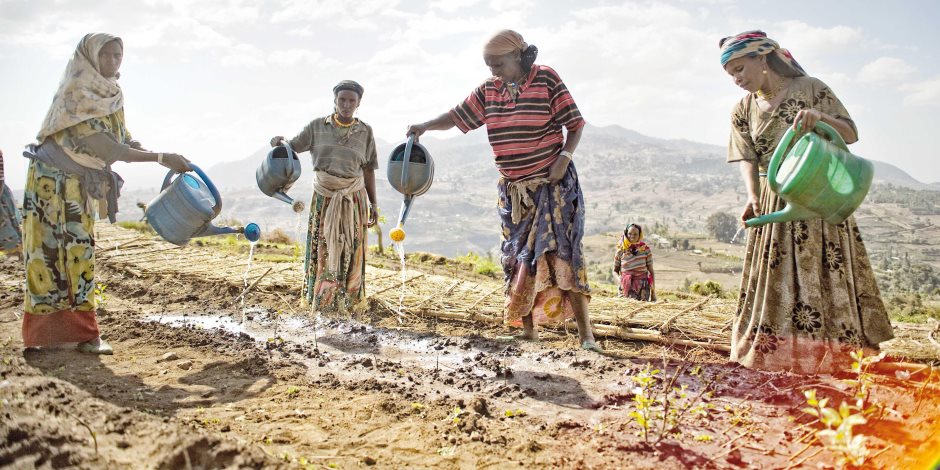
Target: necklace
{"points": [[340, 124], [770, 95]]}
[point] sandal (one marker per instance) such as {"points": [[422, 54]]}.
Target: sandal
{"points": [[89, 347]]}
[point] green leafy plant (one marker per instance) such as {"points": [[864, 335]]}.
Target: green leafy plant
{"points": [[454, 416], [839, 436], [660, 406], [100, 296]]}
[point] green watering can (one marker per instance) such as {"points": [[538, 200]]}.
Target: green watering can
{"points": [[819, 178]]}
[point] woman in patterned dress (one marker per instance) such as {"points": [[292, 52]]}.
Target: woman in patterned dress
{"points": [[68, 182], [524, 107], [344, 203], [808, 293]]}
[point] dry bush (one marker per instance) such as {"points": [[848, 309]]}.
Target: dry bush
{"points": [[279, 236]]}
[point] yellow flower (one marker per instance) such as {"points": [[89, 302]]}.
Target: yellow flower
{"points": [[45, 187], [33, 231], [80, 264], [73, 192], [38, 277]]}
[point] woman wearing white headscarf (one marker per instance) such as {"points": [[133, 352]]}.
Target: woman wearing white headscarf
{"points": [[70, 179]]}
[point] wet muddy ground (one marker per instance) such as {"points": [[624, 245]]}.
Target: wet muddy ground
{"points": [[198, 382]]}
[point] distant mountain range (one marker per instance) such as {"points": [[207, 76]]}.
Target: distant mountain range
{"points": [[625, 175]]}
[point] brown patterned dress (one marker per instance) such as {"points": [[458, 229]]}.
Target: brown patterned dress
{"points": [[808, 292]]}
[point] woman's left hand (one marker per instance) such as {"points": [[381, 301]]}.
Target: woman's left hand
{"points": [[373, 216], [806, 120], [558, 169]]}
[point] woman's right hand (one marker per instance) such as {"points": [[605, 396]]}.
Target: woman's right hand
{"points": [[176, 162], [751, 210], [277, 140], [416, 130]]}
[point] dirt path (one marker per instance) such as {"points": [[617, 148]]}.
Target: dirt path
{"points": [[192, 385]]}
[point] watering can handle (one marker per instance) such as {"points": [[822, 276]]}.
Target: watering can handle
{"points": [[205, 179], [833, 134], [784, 145], [406, 157], [286, 144]]}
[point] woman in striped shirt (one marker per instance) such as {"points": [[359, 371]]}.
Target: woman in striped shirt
{"points": [[525, 107]]}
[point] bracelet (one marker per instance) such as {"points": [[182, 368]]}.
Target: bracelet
{"points": [[565, 153], [160, 158]]}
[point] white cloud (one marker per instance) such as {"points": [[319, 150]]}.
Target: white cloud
{"points": [[885, 70], [925, 93]]}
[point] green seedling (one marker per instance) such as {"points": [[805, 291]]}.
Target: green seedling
{"points": [[512, 414], [454, 415], [100, 297], [292, 391], [660, 407], [838, 436], [417, 406]]}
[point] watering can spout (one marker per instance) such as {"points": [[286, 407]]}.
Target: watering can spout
{"points": [[297, 206], [405, 209], [251, 231], [787, 214]]}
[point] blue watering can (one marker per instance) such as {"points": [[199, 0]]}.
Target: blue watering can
{"points": [[278, 172], [818, 177], [410, 172], [185, 208]]}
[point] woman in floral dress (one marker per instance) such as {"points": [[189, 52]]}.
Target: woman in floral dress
{"points": [[808, 293], [68, 183]]}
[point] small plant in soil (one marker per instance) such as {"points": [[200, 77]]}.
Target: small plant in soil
{"points": [[454, 416], [100, 296], [660, 406], [839, 436], [292, 391]]}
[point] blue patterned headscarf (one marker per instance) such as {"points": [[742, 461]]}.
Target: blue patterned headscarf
{"points": [[752, 44]]}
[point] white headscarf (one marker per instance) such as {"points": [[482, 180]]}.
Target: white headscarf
{"points": [[83, 92]]}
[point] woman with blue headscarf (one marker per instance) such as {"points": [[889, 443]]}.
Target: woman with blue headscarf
{"points": [[808, 293]]}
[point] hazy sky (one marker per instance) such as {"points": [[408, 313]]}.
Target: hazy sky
{"points": [[215, 79]]}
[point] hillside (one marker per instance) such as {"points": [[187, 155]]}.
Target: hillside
{"points": [[626, 177]]}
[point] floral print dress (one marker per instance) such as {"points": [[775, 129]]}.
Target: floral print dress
{"points": [[58, 245], [808, 293]]}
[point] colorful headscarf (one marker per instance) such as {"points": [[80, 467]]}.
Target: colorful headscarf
{"points": [[83, 92], [504, 42], [752, 44], [625, 242]]}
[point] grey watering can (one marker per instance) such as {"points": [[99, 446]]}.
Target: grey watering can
{"points": [[278, 172], [410, 172], [185, 208]]}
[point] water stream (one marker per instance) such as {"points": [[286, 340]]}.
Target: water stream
{"points": [[251, 255], [735, 237], [400, 249]]}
